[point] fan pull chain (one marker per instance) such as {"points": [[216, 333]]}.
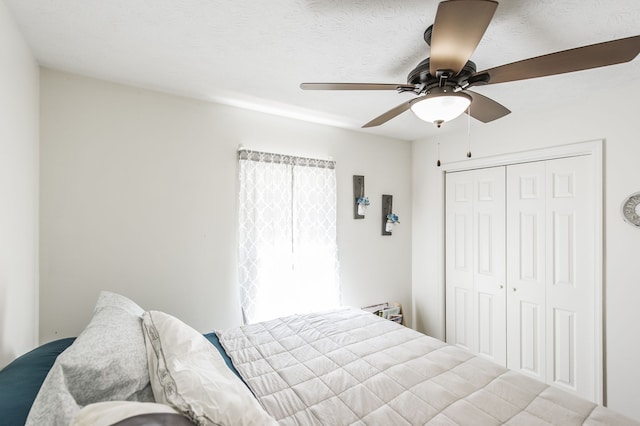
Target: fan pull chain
{"points": [[469, 131], [438, 163]]}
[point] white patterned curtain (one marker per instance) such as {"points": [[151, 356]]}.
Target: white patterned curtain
{"points": [[288, 257]]}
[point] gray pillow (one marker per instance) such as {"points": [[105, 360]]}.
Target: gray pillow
{"points": [[107, 362]]}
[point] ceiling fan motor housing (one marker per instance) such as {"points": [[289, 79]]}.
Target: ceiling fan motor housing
{"points": [[420, 77]]}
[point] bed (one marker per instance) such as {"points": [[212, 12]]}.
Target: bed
{"points": [[340, 367]]}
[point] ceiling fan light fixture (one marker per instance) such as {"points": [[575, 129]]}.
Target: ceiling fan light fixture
{"points": [[440, 106]]}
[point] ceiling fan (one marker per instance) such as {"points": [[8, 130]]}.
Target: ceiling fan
{"points": [[441, 81]]}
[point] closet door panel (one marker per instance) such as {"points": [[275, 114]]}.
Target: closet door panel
{"points": [[459, 284], [475, 268], [571, 275], [463, 313], [489, 263], [531, 348], [564, 348], [526, 320]]}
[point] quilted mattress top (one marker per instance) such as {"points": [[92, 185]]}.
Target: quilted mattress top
{"points": [[349, 367]]}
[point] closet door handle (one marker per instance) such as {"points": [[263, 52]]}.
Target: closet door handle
{"points": [[514, 289]]}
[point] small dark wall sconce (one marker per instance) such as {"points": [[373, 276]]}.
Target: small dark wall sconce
{"points": [[387, 208], [358, 193]]}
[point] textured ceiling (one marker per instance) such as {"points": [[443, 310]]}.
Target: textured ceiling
{"points": [[255, 54]]}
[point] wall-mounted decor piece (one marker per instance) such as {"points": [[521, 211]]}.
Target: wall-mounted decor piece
{"points": [[361, 202], [392, 219], [631, 210], [389, 219]]}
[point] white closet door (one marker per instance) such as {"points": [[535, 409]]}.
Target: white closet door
{"points": [[526, 272], [475, 253], [571, 296], [551, 322], [459, 262]]}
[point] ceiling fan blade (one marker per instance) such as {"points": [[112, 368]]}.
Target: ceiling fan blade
{"points": [[457, 30], [355, 86], [392, 113], [581, 58], [485, 109]]}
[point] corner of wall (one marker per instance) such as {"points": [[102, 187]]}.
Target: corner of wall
{"points": [[19, 215]]}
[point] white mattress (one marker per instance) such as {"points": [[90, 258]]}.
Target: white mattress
{"points": [[349, 367]]}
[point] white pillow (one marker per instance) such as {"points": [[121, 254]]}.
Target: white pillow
{"points": [[188, 373], [108, 413]]}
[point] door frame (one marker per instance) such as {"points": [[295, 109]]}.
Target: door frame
{"points": [[595, 149]]}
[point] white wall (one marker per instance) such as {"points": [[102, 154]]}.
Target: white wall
{"points": [[138, 196], [611, 116], [18, 192]]}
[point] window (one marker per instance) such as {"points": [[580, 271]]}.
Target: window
{"points": [[287, 256]]}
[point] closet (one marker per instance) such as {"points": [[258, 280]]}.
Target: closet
{"points": [[520, 269]]}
